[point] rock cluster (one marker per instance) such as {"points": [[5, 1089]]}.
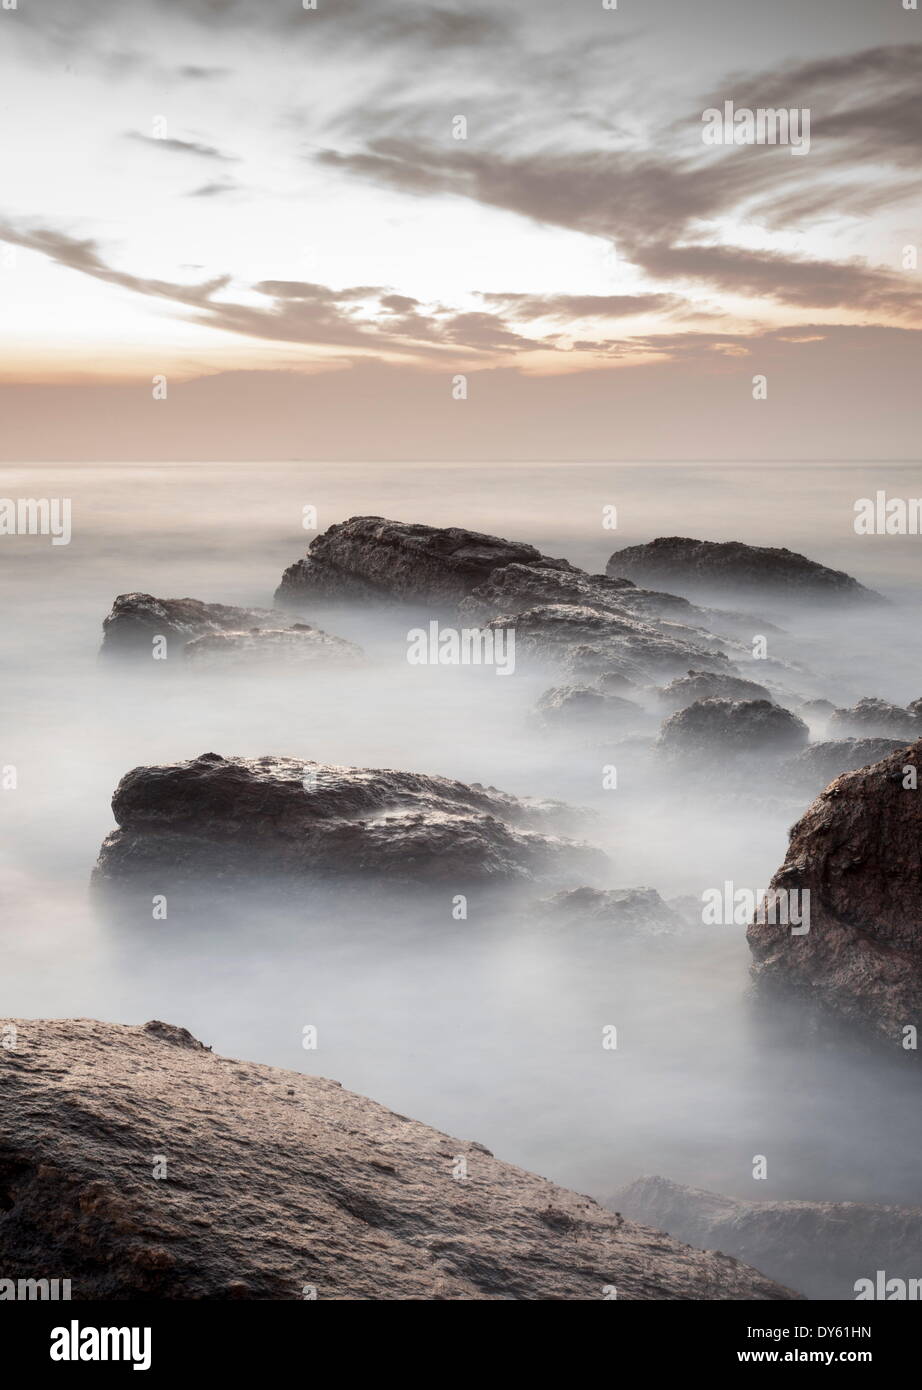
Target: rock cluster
{"points": [[139, 1165], [877, 717]]}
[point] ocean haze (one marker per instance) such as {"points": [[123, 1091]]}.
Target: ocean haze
{"points": [[481, 1027]]}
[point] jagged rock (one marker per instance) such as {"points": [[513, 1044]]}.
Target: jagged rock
{"points": [[275, 1184], [136, 619], [618, 913], [715, 728], [818, 765], [572, 706], [585, 640], [229, 818], [297, 645], [369, 556], [820, 1248], [871, 716], [693, 566], [708, 685], [857, 852]]}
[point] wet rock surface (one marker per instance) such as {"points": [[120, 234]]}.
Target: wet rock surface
{"points": [[230, 818], [372, 557], [819, 1248], [136, 619], [586, 641], [297, 645], [694, 566], [858, 852], [275, 1183], [715, 728]]}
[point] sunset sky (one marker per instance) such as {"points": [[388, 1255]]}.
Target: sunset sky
{"points": [[267, 205]]}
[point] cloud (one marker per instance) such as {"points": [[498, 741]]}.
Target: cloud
{"points": [[180, 146], [663, 210]]}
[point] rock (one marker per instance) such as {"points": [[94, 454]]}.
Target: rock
{"points": [[371, 557], [857, 852], [573, 706], [820, 1248], [708, 685], [616, 913], [297, 645], [871, 716], [235, 818], [714, 729], [814, 768], [693, 566], [136, 619], [274, 1184], [514, 588], [584, 640]]}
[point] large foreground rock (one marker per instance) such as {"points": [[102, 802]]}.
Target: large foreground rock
{"points": [[697, 567], [819, 1248], [372, 557], [233, 818], [858, 852], [275, 1185]]}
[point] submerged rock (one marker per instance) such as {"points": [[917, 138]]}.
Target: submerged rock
{"points": [[136, 619], [820, 763], [616, 913], [579, 706], [858, 852], [372, 557], [708, 685], [711, 729], [586, 641], [277, 1185], [820, 1248], [870, 716], [694, 566], [234, 818], [297, 645]]}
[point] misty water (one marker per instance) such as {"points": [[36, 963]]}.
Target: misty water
{"points": [[477, 1027]]}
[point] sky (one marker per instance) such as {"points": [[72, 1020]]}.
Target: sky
{"points": [[306, 224]]}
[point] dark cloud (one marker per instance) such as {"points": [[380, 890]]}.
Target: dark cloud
{"points": [[181, 146]]}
